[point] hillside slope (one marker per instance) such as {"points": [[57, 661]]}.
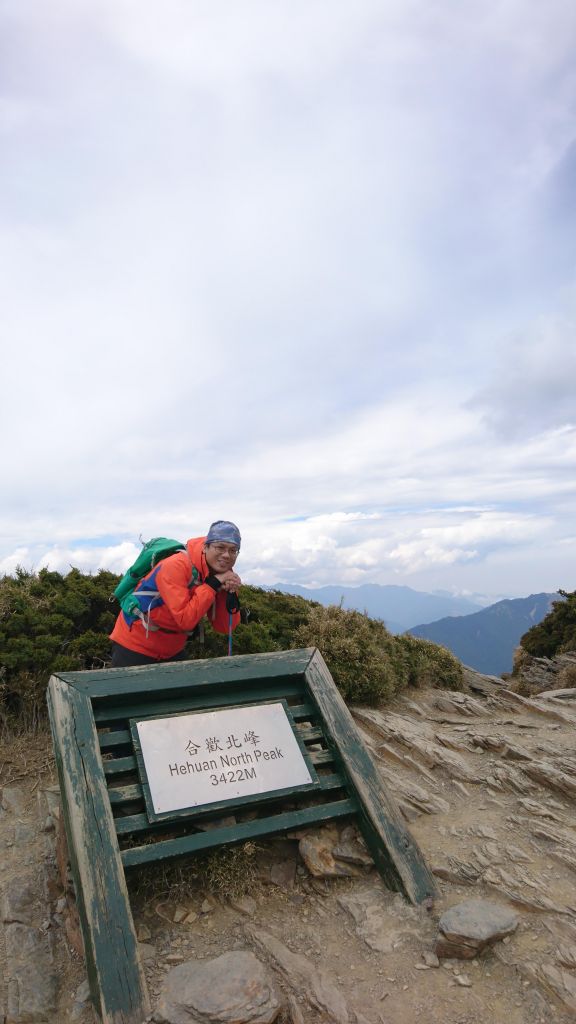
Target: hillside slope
{"points": [[486, 640]]}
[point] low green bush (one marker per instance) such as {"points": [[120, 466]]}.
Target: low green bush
{"points": [[430, 664], [55, 623], [357, 650], [48, 623], [556, 634], [368, 664]]}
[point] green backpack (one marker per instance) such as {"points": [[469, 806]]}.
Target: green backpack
{"points": [[153, 552]]}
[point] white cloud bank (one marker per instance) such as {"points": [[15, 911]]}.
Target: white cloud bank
{"points": [[309, 266]]}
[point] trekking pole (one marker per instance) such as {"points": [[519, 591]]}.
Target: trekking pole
{"points": [[232, 605]]}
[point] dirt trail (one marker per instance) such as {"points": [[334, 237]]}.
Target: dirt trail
{"points": [[488, 785]]}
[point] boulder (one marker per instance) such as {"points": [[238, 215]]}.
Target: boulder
{"points": [[468, 928], [234, 988]]}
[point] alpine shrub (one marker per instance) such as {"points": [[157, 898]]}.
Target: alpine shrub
{"points": [[358, 651], [430, 664], [368, 664], [556, 634]]}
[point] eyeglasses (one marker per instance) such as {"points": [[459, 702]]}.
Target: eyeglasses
{"points": [[225, 549]]}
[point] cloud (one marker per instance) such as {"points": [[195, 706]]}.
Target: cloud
{"points": [[531, 390], [468, 540], [269, 261]]}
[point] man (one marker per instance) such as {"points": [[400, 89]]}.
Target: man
{"points": [[175, 596]]}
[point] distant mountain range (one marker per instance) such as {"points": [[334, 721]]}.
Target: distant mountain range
{"points": [[486, 639], [483, 638], [399, 607]]}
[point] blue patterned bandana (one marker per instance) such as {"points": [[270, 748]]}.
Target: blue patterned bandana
{"points": [[223, 532]]}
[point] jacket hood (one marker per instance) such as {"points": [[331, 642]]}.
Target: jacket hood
{"points": [[195, 548]]}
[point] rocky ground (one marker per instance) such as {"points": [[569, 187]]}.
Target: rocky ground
{"points": [[487, 782]]}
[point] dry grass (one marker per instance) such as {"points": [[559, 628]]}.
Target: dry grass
{"points": [[26, 757], [229, 873]]}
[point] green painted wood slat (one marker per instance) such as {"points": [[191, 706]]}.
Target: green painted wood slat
{"points": [[172, 848], [240, 670], [139, 822], [222, 699]]}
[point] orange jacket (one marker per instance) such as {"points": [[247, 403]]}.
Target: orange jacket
{"points": [[182, 608]]}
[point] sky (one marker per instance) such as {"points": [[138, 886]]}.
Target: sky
{"points": [[308, 265]]}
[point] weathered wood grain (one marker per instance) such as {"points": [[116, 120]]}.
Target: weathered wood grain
{"points": [[115, 975], [393, 848], [204, 674]]}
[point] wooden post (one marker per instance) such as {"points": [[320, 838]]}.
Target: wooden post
{"points": [[115, 975], [395, 852]]}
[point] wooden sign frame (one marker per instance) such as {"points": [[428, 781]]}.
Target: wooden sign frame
{"points": [[108, 831]]}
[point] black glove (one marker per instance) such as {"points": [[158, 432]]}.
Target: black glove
{"points": [[232, 602]]}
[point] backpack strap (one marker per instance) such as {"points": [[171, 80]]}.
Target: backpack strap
{"points": [[156, 600]]}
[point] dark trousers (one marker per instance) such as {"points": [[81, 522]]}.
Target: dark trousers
{"points": [[123, 657]]}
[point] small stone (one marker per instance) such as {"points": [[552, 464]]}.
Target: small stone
{"points": [[283, 874], [463, 980], [430, 959], [82, 993], [316, 852], [190, 918], [245, 905], [144, 933], [179, 914], [207, 907], [352, 852]]}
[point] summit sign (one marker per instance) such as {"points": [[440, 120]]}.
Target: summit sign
{"points": [[197, 759]]}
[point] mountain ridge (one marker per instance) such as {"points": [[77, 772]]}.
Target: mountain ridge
{"points": [[399, 607], [486, 639]]}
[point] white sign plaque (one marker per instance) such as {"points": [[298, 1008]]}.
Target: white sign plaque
{"points": [[196, 759]]}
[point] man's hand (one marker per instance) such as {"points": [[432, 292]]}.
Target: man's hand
{"points": [[230, 581]]}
